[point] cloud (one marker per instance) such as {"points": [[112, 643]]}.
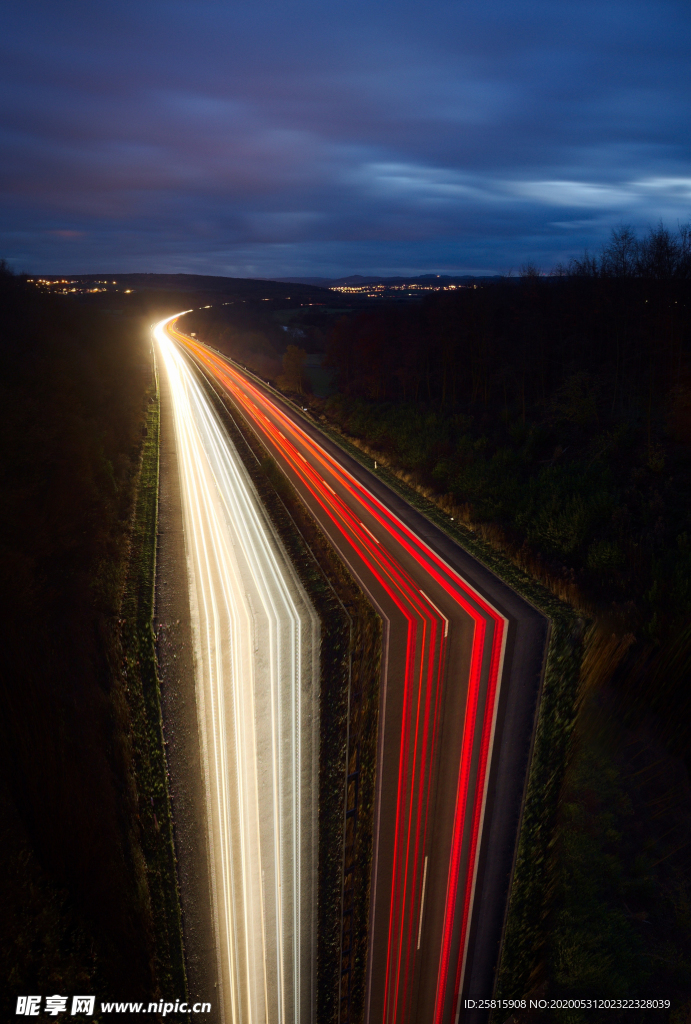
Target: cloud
{"points": [[203, 131], [572, 193]]}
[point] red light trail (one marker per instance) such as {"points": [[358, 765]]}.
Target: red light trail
{"points": [[437, 720]]}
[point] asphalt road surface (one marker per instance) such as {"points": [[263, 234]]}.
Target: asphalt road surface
{"points": [[461, 673], [256, 639]]}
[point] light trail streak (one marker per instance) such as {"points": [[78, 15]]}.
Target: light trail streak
{"points": [[396, 562], [256, 668], [399, 570]]}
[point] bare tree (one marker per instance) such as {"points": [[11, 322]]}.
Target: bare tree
{"points": [[620, 255]]}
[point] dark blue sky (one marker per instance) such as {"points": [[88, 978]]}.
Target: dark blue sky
{"points": [[269, 139]]}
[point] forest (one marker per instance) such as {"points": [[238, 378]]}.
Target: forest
{"points": [[75, 909], [558, 408], [553, 414]]}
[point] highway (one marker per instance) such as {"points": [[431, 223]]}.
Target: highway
{"points": [[256, 639], [462, 663]]}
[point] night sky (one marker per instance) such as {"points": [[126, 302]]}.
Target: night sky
{"points": [[271, 139]]}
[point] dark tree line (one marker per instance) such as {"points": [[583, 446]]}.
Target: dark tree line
{"points": [[556, 413], [621, 318], [557, 407], [74, 913]]}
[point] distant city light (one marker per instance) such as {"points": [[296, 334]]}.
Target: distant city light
{"points": [[374, 291]]}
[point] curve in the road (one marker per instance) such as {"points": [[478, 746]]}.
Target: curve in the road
{"points": [[256, 638], [443, 706]]}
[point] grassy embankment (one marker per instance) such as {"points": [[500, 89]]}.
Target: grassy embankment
{"points": [[350, 667], [76, 910], [143, 694]]}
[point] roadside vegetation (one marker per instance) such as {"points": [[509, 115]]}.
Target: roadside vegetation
{"points": [[144, 699], [259, 332], [551, 416], [80, 904], [349, 700], [274, 336]]}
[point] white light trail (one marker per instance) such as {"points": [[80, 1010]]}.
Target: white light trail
{"points": [[256, 663]]}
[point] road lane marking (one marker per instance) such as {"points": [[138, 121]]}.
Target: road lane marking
{"points": [[369, 532], [422, 904], [430, 601]]}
